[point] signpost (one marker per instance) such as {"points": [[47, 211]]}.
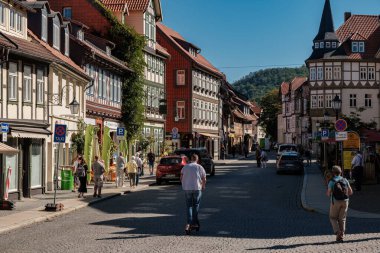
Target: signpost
{"points": [[120, 133], [340, 125], [324, 134]]}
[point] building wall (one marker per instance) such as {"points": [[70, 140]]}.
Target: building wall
{"points": [[135, 20]]}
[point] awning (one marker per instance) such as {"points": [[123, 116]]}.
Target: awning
{"points": [[30, 132], [7, 150], [210, 135]]}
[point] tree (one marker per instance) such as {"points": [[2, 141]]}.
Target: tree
{"points": [[354, 122], [271, 106]]}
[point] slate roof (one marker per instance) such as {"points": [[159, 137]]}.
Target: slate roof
{"points": [[326, 27], [199, 59]]}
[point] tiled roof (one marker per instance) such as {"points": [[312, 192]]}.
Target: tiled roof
{"points": [[162, 50], [285, 88], [297, 82], [199, 59], [137, 5], [255, 108], [115, 5]]}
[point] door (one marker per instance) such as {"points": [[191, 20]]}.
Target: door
{"points": [[25, 145]]}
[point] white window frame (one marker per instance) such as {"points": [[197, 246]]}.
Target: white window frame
{"points": [[64, 9], [27, 84], [337, 73], [354, 47], [371, 74], [319, 73], [12, 19], [316, 45], [181, 77], [313, 74], [328, 73], [180, 106], [328, 100], [361, 47], [333, 44], [40, 87], [353, 100], [321, 101], [2, 14], [328, 44], [12, 81], [44, 26], [67, 42], [56, 36], [80, 35], [322, 44], [367, 100], [363, 73]]}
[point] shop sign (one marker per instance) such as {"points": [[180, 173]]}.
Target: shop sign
{"points": [[60, 133], [340, 136], [347, 159], [112, 125], [352, 142]]}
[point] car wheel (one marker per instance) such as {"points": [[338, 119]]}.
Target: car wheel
{"points": [[212, 173], [158, 181]]}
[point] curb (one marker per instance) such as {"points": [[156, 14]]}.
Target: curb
{"points": [[303, 193]]}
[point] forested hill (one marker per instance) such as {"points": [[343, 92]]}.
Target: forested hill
{"points": [[257, 84]]}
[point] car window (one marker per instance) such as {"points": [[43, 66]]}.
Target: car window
{"points": [[170, 161], [289, 158], [287, 148]]}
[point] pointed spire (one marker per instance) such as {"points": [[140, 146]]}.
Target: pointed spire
{"points": [[326, 27]]}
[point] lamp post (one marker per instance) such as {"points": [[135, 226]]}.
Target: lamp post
{"points": [[337, 104]]}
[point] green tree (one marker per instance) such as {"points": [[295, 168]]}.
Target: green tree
{"points": [[77, 138], [354, 122], [271, 106]]}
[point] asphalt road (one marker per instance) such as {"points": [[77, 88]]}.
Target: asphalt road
{"points": [[244, 208]]}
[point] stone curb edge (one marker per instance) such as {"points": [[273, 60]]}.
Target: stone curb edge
{"points": [[303, 193]]}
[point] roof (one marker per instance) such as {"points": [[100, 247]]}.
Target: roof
{"points": [[297, 82], [115, 5], [285, 88], [326, 27], [162, 50], [137, 5], [7, 150], [255, 108], [173, 36]]}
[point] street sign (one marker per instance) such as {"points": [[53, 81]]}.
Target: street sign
{"points": [[60, 133], [5, 127], [174, 130], [340, 125], [324, 134], [120, 132], [175, 136], [341, 136], [5, 137]]}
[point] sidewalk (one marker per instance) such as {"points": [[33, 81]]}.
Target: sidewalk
{"points": [[314, 199], [29, 211]]}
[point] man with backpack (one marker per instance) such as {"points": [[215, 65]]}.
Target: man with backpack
{"points": [[339, 190]]}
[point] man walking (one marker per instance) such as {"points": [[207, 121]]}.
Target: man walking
{"points": [[132, 170], [151, 159], [339, 190], [98, 169], [139, 168], [357, 170], [120, 165], [193, 179]]}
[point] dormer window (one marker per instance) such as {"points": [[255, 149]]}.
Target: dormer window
{"points": [[328, 44], [333, 44], [80, 35], [44, 26], [15, 21], [193, 51], [67, 42], [316, 45], [108, 50], [361, 47], [322, 45], [354, 46], [67, 12], [56, 35], [358, 47], [2, 14]]}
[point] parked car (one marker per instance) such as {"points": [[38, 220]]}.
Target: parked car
{"points": [[169, 168], [286, 148], [204, 158], [290, 162]]}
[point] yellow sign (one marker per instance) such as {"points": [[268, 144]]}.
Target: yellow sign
{"points": [[352, 142], [347, 158]]}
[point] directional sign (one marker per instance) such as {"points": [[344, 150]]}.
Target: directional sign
{"points": [[5, 127], [340, 125], [60, 133], [341, 136], [120, 132], [324, 134]]}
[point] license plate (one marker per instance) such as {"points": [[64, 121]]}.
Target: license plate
{"points": [[288, 165], [170, 175]]}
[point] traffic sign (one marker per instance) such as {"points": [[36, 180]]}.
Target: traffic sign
{"points": [[5, 137], [120, 132], [5, 127], [60, 133], [324, 134], [341, 136], [174, 130], [340, 125]]}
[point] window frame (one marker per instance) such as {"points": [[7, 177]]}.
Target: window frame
{"points": [[328, 73], [180, 109], [64, 9], [2, 14], [56, 35], [40, 86], [14, 85], [361, 47], [180, 77], [368, 100], [353, 101], [27, 84], [371, 73], [313, 74], [337, 73], [67, 42], [354, 47], [363, 73], [44, 28], [320, 74]]}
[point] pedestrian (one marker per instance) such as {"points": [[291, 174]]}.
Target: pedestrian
{"points": [[193, 179], [81, 173], [339, 190], [258, 157], [308, 156], [132, 170], [245, 150], [233, 151], [120, 165], [264, 158], [74, 170], [151, 159], [98, 170], [139, 168], [357, 165]]}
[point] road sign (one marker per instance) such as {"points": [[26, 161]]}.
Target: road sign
{"points": [[175, 136], [60, 133], [341, 136], [5, 137], [120, 132], [5, 127], [174, 130], [340, 125], [324, 134]]}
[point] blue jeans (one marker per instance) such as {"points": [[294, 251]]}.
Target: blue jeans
{"points": [[193, 200]]}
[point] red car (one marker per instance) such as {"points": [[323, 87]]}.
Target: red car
{"points": [[169, 168]]}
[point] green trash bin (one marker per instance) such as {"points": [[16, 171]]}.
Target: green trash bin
{"points": [[67, 180]]}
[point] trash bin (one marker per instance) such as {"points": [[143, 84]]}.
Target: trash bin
{"points": [[67, 180]]}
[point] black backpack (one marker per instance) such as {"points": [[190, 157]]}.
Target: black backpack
{"points": [[340, 189]]}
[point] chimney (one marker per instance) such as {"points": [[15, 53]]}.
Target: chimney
{"points": [[347, 15]]}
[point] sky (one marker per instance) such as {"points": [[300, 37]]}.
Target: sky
{"points": [[243, 36]]}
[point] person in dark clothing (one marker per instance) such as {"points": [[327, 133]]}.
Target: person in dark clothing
{"points": [[357, 170], [233, 151], [82, 176], [258, 157], [222, 152]]}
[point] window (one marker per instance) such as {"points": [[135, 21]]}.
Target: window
{"points": [[119, 89], [337, 73], [80, 35], [18, 22], [328, 101], [40, 87], [312, 74], [316, 45], [104, 83], [181, 77], [67, 12], [27, 84], [67, 42], [371, 73], [368, 100], [354, 47], [100, 83], [361, 47], [328, 45], [56, 35], [2, 14], [12, 20], [322, 45], [328, 73], [352, 100], [44, 26], [314, 101], [181, 109], [320, 101], [90, 71], [363, 73], [333, 44], [320, 73], [150, 27], [12, 81]]}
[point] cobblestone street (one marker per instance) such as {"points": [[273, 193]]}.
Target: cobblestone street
{"points": [[244, 208]]}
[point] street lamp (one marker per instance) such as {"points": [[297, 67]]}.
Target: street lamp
{"points": [[336, 104], [74, 106]]}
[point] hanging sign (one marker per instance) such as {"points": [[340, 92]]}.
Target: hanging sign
{"points": [[60, 133]]}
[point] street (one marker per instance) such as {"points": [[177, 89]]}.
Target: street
{"points": [[244, 208]]}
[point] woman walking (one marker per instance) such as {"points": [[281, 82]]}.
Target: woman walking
{"points": [[81, 173]]}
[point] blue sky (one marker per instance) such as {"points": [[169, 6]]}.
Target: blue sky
{"points": [[255, 33]]}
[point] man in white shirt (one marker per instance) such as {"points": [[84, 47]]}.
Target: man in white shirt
{"points": [[139, 167], [357, 170], [193, 179]]}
